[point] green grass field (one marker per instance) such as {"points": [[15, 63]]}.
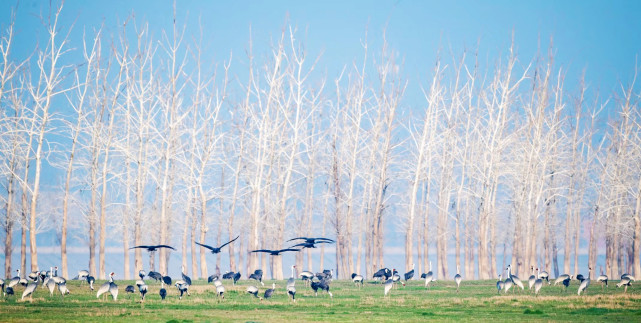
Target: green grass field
{"points": [[477, 301]]}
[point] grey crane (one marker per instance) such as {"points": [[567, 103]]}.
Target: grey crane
{"points": [[515, 279], [258, 276], [560, 279], [429, 277], [544, 275], [110, 287], [185, 277], [538, 283], [155, 275], [508, 282], [142, 288], [82, 275], [291, 290], [269, 292], [585, 283], [603, 279], [396, 277], [90, 280], [408, 275], [51, 285], [236, 277], [388, 286], [322, 285], [531, 279], [28, 291], [142, 274], [628, 276], [292, 281], [15, 280], [306, 276], [383, 274], [129, 290], [625, 281], [183, 288], [163, 291], [357, 279], [220, 291], [499, 285], [458, 278], [566, 282], [253, 290], [62, 288]]}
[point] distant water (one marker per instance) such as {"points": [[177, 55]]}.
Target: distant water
{"points": [[115, 262]]}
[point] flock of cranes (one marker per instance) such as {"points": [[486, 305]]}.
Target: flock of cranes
{"points": [[316, 281], [535, 282]]}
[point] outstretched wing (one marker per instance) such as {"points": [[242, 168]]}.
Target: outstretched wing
{"points": [[262, 250], [283, 250], [303, 244], [204, 245], [165, 246], [142, 247], [323, 240], [228, 242]]}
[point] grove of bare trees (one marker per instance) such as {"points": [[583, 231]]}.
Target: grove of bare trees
{"points": [[132, 138]]}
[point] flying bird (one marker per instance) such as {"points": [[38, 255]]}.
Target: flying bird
{"points": [[153, 248], [275, 252], [215, 250], [313, 240]]}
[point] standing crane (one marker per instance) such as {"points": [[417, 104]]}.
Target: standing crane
{"points": [[253, 290], [429, 277], [388, 286], [291, 290], [458, 278], [269, 292], [499, 285], [28, 291], [531, 279], [538, 283], [585, 283], [357, 279], [110, 287], [292, 281]]}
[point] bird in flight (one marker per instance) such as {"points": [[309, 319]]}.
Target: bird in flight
{"points": [[215, 250], [313, 240], [275, 252], [153, 248]]}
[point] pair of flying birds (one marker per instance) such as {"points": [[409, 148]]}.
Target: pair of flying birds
{"points": [[307, 243]]}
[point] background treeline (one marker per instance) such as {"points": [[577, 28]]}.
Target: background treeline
{"points": [[133, 137]]}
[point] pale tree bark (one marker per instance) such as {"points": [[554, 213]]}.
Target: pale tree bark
{"points": [[423, 148], [89, 56], [43, 96]]}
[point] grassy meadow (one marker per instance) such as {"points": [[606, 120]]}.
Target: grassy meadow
{"points": [[476, 301]]}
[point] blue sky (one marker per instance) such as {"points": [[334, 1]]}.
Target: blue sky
{"points": [[602, 37]]}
